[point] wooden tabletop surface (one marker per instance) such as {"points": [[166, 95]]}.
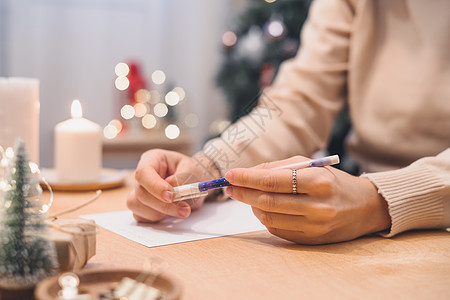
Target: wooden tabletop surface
{"points": [[413, 265]]}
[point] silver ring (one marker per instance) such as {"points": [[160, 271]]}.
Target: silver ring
{"points": [[294, 181]]}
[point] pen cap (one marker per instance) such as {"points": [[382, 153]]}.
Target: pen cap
{"points": [[189, 196], [326, 161], [186, 189]]}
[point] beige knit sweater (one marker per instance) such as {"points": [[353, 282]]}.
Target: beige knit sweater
{"points": [[390, 60]]}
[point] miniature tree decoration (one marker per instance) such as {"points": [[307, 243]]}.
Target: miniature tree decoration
{"points": [[26, 255]]}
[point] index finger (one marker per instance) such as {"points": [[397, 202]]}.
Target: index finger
{"points": [[279, 163], [308, 180], [276, 181]]}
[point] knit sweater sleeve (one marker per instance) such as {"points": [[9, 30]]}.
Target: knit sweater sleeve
{"points": [[295, 115], [418, 195]]}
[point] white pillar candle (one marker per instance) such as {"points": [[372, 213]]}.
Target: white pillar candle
{"points": [[19, 113], [78, 148]]}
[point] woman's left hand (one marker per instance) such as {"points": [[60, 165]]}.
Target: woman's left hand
{"points": [[330, 205]]}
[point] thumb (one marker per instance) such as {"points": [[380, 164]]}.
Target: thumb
{"points": [[183, 178]]}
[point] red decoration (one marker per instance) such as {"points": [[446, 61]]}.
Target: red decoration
{"points": [[137, 82], [267, 74]]}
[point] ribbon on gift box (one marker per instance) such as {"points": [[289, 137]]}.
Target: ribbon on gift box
{"points": [[75, 242], [74, 239]]}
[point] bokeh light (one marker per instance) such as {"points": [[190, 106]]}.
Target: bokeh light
{"points": [[191, 120], [172, 131], [229, 38], [121, 69], [122, 83], [4, 162], [4, 187], [181, 93], [110, 131], [113, 128], [160, 110], [117, 124], [158, 77], [218, 126], [276, 28], [140, 109], [9, 152], [34, 168], [127, 112], [142, 95], [155, 96], [172, 98], [149, 121]]}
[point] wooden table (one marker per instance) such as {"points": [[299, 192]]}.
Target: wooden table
{"points": [[414, 265]]}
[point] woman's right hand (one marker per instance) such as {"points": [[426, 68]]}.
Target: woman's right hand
{"points": [[158, 171]]}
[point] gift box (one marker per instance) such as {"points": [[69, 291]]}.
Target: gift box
{"points": [[75, 242]]}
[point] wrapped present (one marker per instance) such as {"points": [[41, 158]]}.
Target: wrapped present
{"points": [[75, 242]]}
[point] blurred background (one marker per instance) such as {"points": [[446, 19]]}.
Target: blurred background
{"points": [[153, 74]]}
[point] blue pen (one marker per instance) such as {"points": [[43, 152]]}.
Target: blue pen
{"points": [[198, 189]]}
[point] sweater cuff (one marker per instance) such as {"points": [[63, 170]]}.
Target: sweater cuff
{"points": [[414, 198]]}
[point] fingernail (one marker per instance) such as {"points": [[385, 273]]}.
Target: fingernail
{"points": [[229, 191], [229, 177], [183, 210], [167, 196]]}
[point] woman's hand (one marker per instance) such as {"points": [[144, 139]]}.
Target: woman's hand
{"points": [[157, 173], [331, 205]]}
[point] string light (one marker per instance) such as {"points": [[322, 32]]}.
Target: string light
{"points": [[4, 186], [4, 162], [172, 131], [7, 204], [34, 168], [9, 152]]}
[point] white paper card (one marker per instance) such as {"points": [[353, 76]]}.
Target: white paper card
{"points": [[214, 219]]}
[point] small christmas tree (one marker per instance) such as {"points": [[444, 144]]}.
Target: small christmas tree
{"points": [[26, 255]]}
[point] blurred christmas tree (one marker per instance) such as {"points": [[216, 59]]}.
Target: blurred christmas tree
{"points": [[26, 256], [266, 34]]}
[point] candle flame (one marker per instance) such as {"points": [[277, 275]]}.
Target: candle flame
{"points": [[76, 110]]}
